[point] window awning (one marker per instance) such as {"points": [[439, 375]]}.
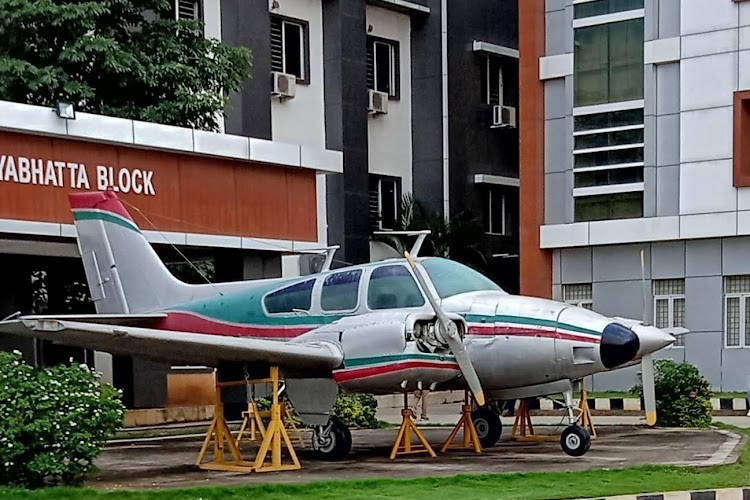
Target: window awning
{"points": [[402, 6], [492, 48], [497, 180]]}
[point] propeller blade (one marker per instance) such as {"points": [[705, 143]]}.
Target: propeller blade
{"points": [[449, 332], [649, 390]]}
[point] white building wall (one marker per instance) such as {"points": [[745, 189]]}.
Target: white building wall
{"points": [[301, 120], [389, 136]]}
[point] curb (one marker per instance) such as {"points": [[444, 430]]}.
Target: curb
{"points": [[722, 494]]}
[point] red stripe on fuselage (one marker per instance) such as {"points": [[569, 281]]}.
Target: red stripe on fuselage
{"points": [[491, 330], [373, 371], [190, 322]]}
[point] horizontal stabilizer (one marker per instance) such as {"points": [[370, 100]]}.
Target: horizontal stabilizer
{"points": [[181, 347]]}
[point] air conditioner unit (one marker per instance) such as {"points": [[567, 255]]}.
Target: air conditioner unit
{"points": [[503, 117], [377, 102], [283, 85], [311, 264]]}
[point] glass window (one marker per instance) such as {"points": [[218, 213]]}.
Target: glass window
{"points": [[188, 9], [737, 310], [606, 139], [451, 278], [385, 200], [597, 121], [341, 291], [603, 7], [288, 47], [382, 66], [392, 287], [608, 63], [579, 295], [609, 177], [492, 81], [609, 206], [297, 297], [669, 306]]}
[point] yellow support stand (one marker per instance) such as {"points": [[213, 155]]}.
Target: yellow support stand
{"points": [[470, 437], [584, 418], [274, 436], [219, 433], [251, 418], [402, 445], [523, 429]]}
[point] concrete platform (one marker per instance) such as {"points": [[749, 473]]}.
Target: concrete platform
{"points": [[168, 462]]}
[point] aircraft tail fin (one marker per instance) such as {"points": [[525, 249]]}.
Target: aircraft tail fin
{"points": [[124, 273]]}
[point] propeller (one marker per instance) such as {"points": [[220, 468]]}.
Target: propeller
{"points": [[449, 332], [647, 363]]}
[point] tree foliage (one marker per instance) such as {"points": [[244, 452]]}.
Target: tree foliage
{"points": [[126, 58], [54, 422], [683, 396]]}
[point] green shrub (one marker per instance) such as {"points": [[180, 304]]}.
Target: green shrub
{"points": [[356, 409], [53, 422], [683, 396]]}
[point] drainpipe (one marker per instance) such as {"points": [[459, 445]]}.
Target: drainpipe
{"points": [[444, 65]]}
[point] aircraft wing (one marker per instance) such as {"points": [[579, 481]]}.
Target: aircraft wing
{"points": [[185, 347]]}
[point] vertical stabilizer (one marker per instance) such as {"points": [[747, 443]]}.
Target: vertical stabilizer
{"points": [[124, 273]]}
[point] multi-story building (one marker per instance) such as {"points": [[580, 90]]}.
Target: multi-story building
{"points": [[634, 118], [420, 96]]}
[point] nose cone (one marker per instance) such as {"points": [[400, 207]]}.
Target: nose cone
{"points": [[651, 339], [619, 345]]}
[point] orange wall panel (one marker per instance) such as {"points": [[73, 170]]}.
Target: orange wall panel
{"points": [[175, 192]]}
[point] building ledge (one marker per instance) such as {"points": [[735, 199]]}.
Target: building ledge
{"points": [[401, 6], [120, 131], [68, 231], [497, 180], [648, 229], [492, 48]]}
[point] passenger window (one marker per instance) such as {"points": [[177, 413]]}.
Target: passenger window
{"points": [[393, 287], [297, 297], [341, 291]]}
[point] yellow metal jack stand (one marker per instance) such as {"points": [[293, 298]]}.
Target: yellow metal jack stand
{"points": [[274, 435], [402, 445], [584, 419], [220, 434], [470, 437], [252, 419], [523, 429]]}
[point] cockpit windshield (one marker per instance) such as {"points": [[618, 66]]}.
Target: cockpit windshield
{"points": [[451, 278]]}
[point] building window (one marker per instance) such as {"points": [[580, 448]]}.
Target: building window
{"points": [[492, 81], [188, 9], [383, 66], [497, 211], [608, 63], [385, 202], [737, 311], [608, 163], [290, 47], [669, 306], [578, 295], [604, 7]]}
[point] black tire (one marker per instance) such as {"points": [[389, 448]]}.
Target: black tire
{"points": [[339, 444], [488, 426], [575, 441]]}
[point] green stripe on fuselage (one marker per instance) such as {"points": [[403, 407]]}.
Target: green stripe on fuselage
{"points": [[374, 360], [522, 320]]}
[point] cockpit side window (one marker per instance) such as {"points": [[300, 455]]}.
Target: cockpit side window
{"points": [[340, 291], [451, 278], [297, 297], [392, 287]]}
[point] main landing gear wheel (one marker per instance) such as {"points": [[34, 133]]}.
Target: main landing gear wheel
{"points": [[333, 441], [575, 441], [488, 426]]}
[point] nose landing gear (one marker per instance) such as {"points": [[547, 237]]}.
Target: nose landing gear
{"points": [[574, 440]]}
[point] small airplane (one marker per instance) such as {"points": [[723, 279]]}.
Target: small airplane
{"points": [[385, 327]]}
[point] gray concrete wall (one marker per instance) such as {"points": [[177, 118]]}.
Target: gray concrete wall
{"points": [[614, 272]]}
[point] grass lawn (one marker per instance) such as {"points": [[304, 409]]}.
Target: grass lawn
{"points": [[518, 485]]}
